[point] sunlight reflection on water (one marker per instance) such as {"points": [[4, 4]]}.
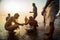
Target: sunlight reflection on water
{"points": [[21, 31]]}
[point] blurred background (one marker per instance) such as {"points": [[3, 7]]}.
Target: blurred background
{"points": [[23, 7]]}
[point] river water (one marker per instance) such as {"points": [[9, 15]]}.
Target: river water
{"points": [[21, 33]]}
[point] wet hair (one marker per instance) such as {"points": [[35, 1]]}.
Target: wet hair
{"points": [[30, 17], [16, 14], [9, 14], [33, 4]]}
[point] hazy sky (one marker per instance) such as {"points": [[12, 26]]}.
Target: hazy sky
{"points": [[13, 6], [23, 7]]}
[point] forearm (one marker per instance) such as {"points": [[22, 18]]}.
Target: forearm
{"points": [[26, 23], [31, 12], [18, 23]]}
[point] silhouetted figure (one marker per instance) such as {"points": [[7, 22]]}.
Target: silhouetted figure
{"points": [[33, 24], [12, 25], [34, 10], [53, 6], [8, 17], [32, 29]]}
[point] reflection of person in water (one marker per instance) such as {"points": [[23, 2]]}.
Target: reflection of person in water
{"points": [[53, 6], [34, 10], [8, 17], [11, 24]]}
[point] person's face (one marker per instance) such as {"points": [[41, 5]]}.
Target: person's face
{"points": [[8, 14], [33, 5], [16, 17], [30, 18]]}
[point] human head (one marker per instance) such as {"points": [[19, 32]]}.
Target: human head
{"points": [[9, 14], [16, 15], [30, 17], [33, 4]]}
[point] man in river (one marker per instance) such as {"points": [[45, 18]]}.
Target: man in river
{"points": [[34, 10], [53, 6], [33, 23], [11, 24]]}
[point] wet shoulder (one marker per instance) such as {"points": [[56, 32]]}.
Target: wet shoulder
{"points": [[11, 17]]}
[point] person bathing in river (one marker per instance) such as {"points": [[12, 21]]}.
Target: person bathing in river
{"points": [[34, 10], [11, 27], [53, 6], [32, 22]]}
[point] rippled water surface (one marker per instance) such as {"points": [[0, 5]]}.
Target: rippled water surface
{"points": [[21, 33]]}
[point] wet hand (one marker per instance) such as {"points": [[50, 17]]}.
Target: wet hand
{"points": [[42, 13], [30, 12]]}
